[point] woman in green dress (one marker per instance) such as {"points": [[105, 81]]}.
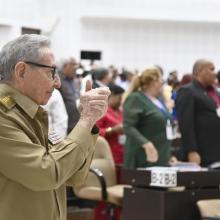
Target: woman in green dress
{"points": [[145, 122]]}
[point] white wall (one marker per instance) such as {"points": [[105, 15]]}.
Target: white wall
{"points": [[130, 33], [139, 44]]}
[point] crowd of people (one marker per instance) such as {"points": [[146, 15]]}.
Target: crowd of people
{"points": [[142, 108], [137, 119], [146, 113]]}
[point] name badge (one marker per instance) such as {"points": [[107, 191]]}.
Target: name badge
{"points": [[169, 131], [218, 111], [54, 138], [122, 139]]}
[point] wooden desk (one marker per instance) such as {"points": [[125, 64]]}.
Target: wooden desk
{"points": [[143, 202]]}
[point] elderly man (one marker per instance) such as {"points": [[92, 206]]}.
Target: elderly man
{"points": [[34, 166], [69, 91], [198, 114]]}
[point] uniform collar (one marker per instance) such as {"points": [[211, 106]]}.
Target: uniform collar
{"points": [[28, 105]]}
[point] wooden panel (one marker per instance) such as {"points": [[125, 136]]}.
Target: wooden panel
{"points": [[151, 204], [80, 214]]}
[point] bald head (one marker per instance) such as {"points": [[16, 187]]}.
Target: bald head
{"points": [[203, 70], [199, 66]]}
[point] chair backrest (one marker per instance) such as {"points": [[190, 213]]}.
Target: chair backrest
{"points": [[102, 160], [209, 208]]}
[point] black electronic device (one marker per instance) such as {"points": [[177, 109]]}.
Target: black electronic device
{"points": [[90, 55]]}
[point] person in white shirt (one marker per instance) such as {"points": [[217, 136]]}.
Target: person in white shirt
{"points": [[57, 114]]}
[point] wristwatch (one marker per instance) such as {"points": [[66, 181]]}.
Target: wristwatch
{"points": [[95, 130]]}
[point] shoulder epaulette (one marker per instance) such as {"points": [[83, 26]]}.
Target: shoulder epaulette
{"points": [[8, 102]]}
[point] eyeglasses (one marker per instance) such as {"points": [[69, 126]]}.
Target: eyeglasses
{"points": [[53, 68]]}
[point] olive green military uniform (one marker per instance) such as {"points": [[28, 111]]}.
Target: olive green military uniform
{"points": [[34, 173]]}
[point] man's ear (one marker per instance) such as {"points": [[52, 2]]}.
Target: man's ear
{"points": [[20, 71]]}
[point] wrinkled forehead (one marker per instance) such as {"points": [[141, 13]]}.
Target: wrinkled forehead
{"points": [[47, 56]]}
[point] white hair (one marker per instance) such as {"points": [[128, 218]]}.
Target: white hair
{"points": [[24, 48]]}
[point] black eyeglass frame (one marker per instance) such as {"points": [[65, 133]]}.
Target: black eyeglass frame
{"points": [[54, 68]]}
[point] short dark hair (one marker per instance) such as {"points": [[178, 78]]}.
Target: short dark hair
{"points": [[99, 73], [115, 89]]}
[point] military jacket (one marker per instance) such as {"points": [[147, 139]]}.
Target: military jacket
{"points": [[33, 172]]}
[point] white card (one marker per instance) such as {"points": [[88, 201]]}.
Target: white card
{"points": [[169, 130], [163, 177], [122, 139], [218, 111]]}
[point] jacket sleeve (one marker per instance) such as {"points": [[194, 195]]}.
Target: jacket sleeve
{"points": [[185, 106], [34, 167], [79, 177], [132, 110]]}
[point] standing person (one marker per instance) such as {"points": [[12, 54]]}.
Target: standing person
{"points": [[34, 168], [67, 71], [145, 120], [198, 113], [111, 127]]}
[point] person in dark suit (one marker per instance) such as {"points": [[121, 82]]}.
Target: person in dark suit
{"points": [[198, 114]]}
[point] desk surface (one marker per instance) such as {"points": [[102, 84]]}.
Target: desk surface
{"points": [[189, 179]]}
